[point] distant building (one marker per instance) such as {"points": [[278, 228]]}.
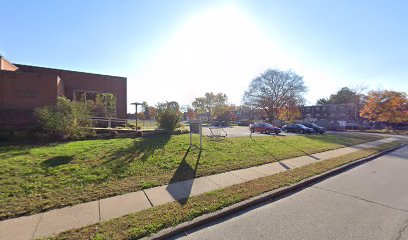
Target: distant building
{"points": [[24, 88], [333, 115], [246, 113]]}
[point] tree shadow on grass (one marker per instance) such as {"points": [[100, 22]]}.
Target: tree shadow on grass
{"points": [[342, 139], [298, 149], [264, 149], [181, 183], [57, 161], [141, 149]]}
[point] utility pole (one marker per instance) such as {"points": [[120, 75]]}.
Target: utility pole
{"points": [[136, 104]]}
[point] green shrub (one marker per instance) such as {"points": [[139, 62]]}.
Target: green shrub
{"points": [[65, 120], [179, 131], [168, 115]]}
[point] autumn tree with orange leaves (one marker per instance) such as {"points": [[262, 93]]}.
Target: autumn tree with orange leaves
{"points": [[289, 113], [386, 106]]}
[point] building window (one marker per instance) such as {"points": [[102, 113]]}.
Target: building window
{"points": [[317, 115], [101, 104], [342, 114], [317, 109]]}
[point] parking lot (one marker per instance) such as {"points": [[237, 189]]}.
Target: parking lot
{"points": [[237, 131]]}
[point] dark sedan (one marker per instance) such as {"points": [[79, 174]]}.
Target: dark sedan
{"points": [[297, 128], [315, 127], [264, 128]]}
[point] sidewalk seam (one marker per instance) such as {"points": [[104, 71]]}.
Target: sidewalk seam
{"points": [[213, 181], [99, 209], [251, 168], [36, 226], [151, 204], [237, 175]]}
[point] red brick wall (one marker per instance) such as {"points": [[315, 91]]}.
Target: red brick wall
{"points": [[90, 82], [26, 90]]}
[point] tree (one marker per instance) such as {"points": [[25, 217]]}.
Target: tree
{"points": [[102, 105], [323, 101], [145, 110], [228, 114], [152, 113], [191, 114], [289, 113], [141, 116], [212, 104], [343, 96], [273, 90], [168, 115], [386, 106], [65, 119]]}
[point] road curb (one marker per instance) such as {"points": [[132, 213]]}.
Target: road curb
{"points": [[268, 196]]}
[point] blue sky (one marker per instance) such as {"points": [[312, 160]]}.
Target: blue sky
{"points": [[178, 50]]}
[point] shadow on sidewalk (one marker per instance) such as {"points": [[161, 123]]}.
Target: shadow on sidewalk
{"points": [[184, 172]]}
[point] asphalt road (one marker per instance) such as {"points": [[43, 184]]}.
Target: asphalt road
{"points": [[367, 202]]}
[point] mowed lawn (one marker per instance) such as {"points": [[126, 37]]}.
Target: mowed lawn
{"points": [[34, 178]]}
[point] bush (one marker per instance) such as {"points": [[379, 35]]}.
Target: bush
{"points": [[65, 120], [168, 115], [179, 131]]}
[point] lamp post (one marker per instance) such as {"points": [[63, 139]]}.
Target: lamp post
{"points": [[136, 104]]}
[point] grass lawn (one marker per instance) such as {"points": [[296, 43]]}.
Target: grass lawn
{"points": [[143, 223], [388, 131], [34, 178]]}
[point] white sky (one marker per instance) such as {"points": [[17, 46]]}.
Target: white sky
{"points": [[220, 50]]}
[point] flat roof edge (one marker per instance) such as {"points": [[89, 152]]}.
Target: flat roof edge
{"points": [[58, 69]]}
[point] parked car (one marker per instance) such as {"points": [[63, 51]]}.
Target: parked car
{"points": [[315, 127], [297, 128], [220, 124], [264, 128], [245, 123]]}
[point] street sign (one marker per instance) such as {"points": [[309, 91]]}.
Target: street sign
{"points": [[196, 127]]}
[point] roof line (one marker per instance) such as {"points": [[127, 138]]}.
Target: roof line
{"points": [[59, 69]]}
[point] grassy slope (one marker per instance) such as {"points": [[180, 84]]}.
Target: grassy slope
{"points": [[152, 220], [35, 178]]}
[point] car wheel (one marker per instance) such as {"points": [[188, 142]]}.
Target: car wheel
{"points": [[321, 132], [252, 130], [285, 130], [267, 132], [301, 132]]}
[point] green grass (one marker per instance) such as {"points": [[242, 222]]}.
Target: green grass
{"points": [[388, 131], [146, 222], [38, 178]]}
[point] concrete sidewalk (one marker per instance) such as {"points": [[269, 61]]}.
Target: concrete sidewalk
{"points": [[59, 220]]}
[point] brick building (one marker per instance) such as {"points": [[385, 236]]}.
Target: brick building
{"points": [[333, 116], [24, 88]]}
